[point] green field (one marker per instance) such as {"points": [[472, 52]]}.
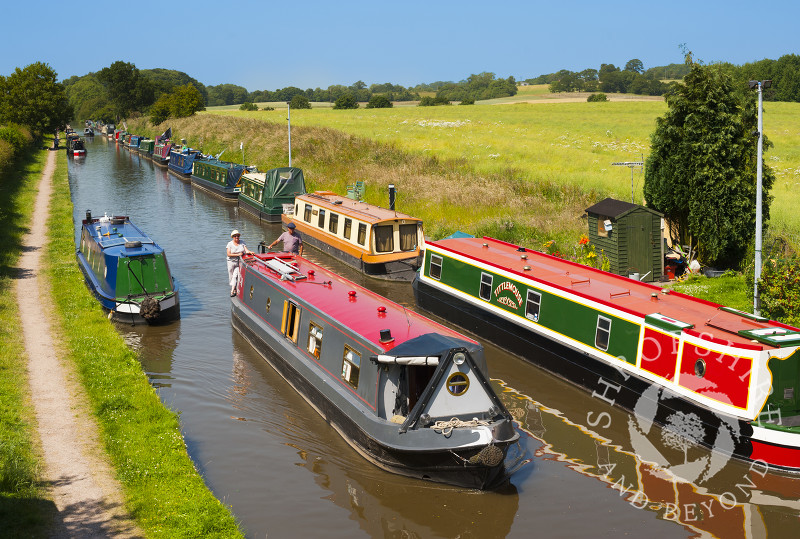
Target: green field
{"points": [[552, 144]]}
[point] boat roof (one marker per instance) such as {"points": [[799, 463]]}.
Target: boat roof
{"points": [[664, 308], [362, 311], [112, 233], [363, 211]]}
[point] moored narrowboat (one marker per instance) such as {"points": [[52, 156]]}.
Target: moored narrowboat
{"points": [[380, 242], [161, 152], [88, 132], [146, 147], [266, 194], [75, 145], [181, 161], [127, 271], [722, 378], [132, 143], [220, 178], [410, 395]]}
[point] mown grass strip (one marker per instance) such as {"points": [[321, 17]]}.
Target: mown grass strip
{"points": [[164, 492], [24, 509]]}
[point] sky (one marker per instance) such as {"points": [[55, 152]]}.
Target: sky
{"points": [[266, 45]]}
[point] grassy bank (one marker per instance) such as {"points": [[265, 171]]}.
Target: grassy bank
{"points": [[163, 490], [24, 510]]}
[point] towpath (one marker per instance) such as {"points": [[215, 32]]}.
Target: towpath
{"points": [[87, 498]]}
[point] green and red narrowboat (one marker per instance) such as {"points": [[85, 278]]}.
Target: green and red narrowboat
{"points": [[726, 379], [127, 271], [267, 195], [410, 395], [161, 152], [220, 178]]}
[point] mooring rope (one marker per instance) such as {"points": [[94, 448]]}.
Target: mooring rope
{"points": [[445, 428]]}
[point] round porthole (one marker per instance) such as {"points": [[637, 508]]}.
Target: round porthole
{"points": [[269, 302], [700, 368], [251, 292], [457, 384]]}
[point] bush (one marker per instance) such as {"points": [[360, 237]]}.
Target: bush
{"points": [[467, 101], [248, 106], [6, 154], [379, 102], [597, 97], [779, 288], [300, 102], [13, 140], [346, 101], [429, 101]]}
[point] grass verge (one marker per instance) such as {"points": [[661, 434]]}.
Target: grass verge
{"points": [[24, 509], [163, 490]]}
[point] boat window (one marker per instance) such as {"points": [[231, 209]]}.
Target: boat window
{"points": [[291, 320], [436, 267], [314, 339], [321, 221], [384, 238], [348, 226], [408, 237], [333, 223], [532, 305], [307, 213], [351, 365], [457, 384], [486, 286], [601, 337], [362, 233]]}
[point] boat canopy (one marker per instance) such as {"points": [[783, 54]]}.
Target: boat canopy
{"points": [[426, 349], [283, 183]]}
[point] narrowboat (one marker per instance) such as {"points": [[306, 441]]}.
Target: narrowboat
{"points": [[220, 178], [161, 152], [266, 194], [181, 161], [719, 377], [132, 143], [146, 147], [380, 242], [88, 132], [75, 146], [127, 271], [408, 394]]}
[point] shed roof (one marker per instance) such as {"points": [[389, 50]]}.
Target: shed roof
{"points": [[616, 208]]}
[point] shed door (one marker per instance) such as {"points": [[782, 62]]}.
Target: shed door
{"points": [[640, 245]]}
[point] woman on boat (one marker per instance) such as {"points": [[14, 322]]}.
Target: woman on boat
{"points": [[235, 250], [292, 241]]}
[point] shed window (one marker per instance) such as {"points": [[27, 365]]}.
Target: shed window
{"points": [[486, 286], [333, 223], [348, 227], [321, 222], [436, 267], [307, 213], [603, 333], [532, 305], [601, 225], [314, 339], [384, 238], [351, 365], [362, 233], [408, 237]]}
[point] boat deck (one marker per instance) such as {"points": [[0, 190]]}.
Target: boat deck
{"points": [[362, 311], [668, 308], [116, 232]]}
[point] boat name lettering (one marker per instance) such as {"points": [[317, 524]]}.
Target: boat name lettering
{"points": [[511, 287]]}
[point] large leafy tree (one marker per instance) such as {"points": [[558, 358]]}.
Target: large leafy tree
{"points": [[32, 96], [126, 88], [701, 172]]}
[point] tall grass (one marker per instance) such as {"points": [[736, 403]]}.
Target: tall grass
{"points": [[163, 490], [24, 510]]}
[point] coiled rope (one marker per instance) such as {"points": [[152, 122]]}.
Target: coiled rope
{"points": [[445, 428]]}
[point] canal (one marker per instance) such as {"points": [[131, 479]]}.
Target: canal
{"points": [[589, 468]]}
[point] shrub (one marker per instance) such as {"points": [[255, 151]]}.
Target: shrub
{"points": [[346, 101], [248, 106], [597, 97], [379, 102], [779, 288], [429, 101], [467, 101], [6, 154], [300, 101]]}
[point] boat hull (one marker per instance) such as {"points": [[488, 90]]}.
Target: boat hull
{"points": [[609, 385], [227, 194], [259, 213]]}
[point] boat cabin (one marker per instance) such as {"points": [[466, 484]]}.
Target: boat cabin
{"points": [[267, 194]]}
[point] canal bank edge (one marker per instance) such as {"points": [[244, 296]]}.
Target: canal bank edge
{"points": [[164, 492]]}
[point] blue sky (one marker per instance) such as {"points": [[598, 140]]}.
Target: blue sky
{"points": [[267, 45]]}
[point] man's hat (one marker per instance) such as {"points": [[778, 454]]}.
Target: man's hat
{"points": [[290, 225]]}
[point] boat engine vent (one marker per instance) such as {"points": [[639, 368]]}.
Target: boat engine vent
{"points": [[287, 271]]}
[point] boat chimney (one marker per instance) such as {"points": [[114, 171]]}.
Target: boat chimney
{"points": [[392, 193], [386, 336], [88, 216]]}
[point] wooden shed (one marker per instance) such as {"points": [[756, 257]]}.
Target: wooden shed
{"points": [[630, 237]]}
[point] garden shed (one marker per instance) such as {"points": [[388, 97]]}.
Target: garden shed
{"points": [[629, 236]]}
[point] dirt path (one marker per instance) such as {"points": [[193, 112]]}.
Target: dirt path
{"points": [[87, 498]]}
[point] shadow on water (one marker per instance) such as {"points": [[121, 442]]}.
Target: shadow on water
{"points": [[265, 452]]}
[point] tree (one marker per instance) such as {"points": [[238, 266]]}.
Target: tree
{"points": [[185, 101], [701, 172], [159, 112], [31, 96], [379, 102], [121, 80], [300, 102], [248, 106], [635, 65], [346, 101]]}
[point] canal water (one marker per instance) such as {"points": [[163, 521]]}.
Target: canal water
{"points": [[586, 467]]}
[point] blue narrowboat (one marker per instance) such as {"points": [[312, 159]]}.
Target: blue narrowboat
{"points": [[181, 161]]}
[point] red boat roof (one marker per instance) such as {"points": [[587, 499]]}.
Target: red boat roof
{"points": [[369, 213], [663, 307], [362, 311]]}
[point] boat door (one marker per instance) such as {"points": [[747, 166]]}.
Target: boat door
{"points": [[290, 324]]}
